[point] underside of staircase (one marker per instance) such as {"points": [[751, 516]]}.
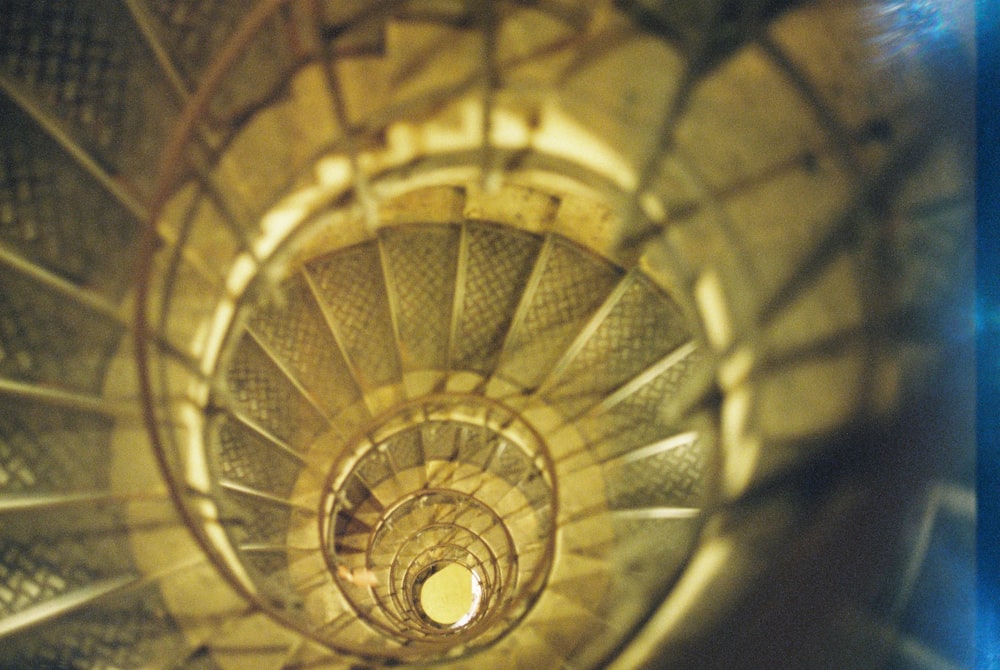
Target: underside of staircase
{"points": [[478, 334]]}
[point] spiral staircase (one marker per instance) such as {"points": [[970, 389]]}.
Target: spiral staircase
{"points": [[469, 334]]}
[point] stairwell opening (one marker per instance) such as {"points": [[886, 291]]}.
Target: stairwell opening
{"points": [[448, 594]]}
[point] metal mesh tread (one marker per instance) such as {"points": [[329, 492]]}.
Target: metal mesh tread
{"points": [[756, 139], [444, 476]]}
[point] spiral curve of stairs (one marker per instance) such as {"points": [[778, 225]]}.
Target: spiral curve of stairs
{"points": [[644, 323]]}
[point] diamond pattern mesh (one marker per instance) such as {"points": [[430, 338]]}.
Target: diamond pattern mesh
{"points": [[535, 490], [422, 263], [353, 290], [35, 568], [479, 446], [273, 567], [673, 477], [246, 458], [82, 61], [498, 265], [75, 55], [251, 519], [293, 328], [510, 463], [261, 390], [635, 421], [571, 286], [406, 448], [47, 205], [194, 30], [441, 440], [133, 631], [16, 474], [387, 303], [45, 338], [30, 575], [640, 329], [375, 469], [47, 449]]}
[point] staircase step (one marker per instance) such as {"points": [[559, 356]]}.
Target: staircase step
{"points": [[112, 623], [496, 264], [639, 326], [260, 389], [566, 286], [292, 325], [420, 266], [351, 289]]}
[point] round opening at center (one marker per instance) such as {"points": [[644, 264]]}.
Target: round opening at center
{"points": [[448, 594]]}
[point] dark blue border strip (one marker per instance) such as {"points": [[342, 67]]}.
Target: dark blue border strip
{"points": [[988, 329]]}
